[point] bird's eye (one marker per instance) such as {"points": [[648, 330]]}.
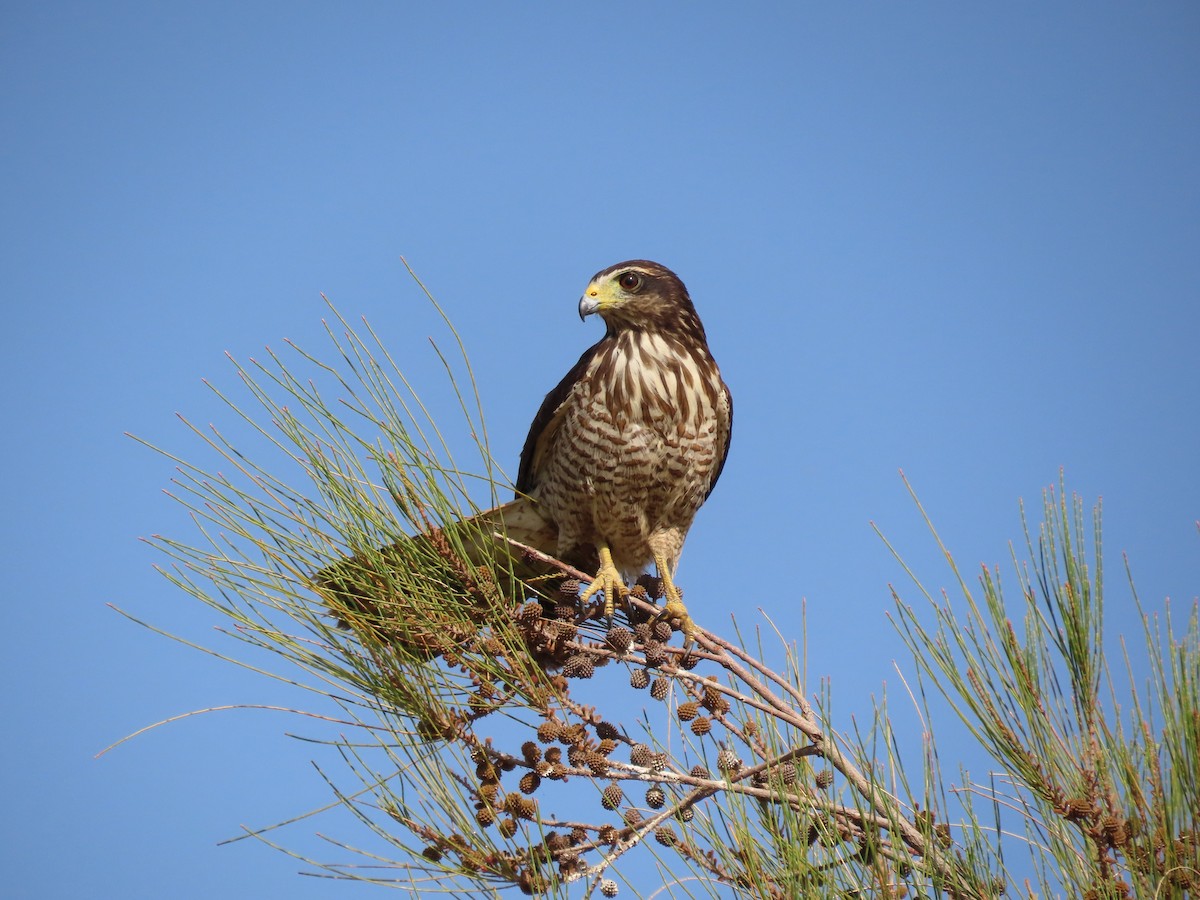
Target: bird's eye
{"points": [[630, 281]]}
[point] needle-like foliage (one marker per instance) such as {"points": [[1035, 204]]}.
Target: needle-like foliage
{"points": [[1107, 787], [337, 531]]}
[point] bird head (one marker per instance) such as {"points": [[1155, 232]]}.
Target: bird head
{"points": [[642, 295]]}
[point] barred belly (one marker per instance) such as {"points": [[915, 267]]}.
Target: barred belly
{"points": [[637, 450]]}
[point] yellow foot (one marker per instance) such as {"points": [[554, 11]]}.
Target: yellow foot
{"points": [[609, 580], [675, 608]]}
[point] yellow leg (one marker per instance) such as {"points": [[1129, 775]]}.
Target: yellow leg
{"points": [[609, 580], [674, 608]]}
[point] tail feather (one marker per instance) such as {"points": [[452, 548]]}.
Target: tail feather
{"points": [[386, 589], [517, 520]]}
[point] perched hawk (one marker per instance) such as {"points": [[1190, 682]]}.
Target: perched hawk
{"points": [[629, 445], [620, 456]]}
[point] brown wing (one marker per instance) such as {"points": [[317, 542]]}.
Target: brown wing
{"points": [[545, 423], [728, 436]]}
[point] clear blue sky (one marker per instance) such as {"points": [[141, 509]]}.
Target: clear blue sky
{"points": [[961, 240]]}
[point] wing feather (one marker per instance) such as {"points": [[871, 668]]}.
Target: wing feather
{"points": [[728, 428], [545, 423]]}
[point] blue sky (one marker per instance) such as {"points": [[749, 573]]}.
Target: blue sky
{"points": [[961, 240]]}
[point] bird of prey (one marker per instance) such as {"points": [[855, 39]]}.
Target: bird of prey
{"points": [[625, 450], [619, 458]]}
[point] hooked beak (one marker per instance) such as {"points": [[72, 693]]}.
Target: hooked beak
{"points": [[589, 303]]}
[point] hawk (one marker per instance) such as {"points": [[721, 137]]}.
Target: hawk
{"points": [[619, 458], [628, 446]]}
